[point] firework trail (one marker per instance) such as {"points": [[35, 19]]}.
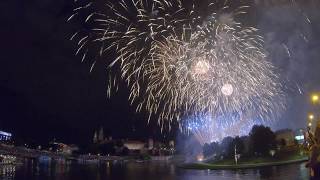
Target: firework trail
{"points": [[180, 58], [208, 129]]}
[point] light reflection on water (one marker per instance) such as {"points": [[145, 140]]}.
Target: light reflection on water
{"points": [[7, 172], [34, 170]]}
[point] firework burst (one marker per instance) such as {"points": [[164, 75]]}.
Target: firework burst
{"points": [[181, 58], [208, 129]]}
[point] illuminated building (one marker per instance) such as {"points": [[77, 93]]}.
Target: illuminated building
{"points": [[150, 144], [5, 136], [98, 136], [95, 137], [300, 136], [101, 135], [285, 135], [134, 145]]}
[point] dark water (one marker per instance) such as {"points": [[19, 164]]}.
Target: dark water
{"points": [[33, 170]]}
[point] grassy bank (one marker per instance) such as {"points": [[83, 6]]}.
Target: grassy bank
{"points": [[252, 162]]}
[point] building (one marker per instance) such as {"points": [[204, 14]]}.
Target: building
{"points": [[95, 137], [101, 135], [5, 136], [285, 137], [150, 144], [299, 136], [134, 145], [63, 148], [98, 137]]}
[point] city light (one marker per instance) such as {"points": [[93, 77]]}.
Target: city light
{"points": [[315, 98], [311, 116], [299, 137]]}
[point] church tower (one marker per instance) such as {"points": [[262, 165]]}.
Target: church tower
{"points": [[101, 135], [95, 137]]}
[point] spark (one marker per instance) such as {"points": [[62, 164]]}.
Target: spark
{"points": [[178, 60], [207, 129]]}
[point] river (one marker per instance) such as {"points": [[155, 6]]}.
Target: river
{"points": [[34, 170]]}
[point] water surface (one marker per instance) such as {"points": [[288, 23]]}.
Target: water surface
{"points": [[34, 170]]}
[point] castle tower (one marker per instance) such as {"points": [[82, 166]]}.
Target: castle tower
{"points": [[101, 135], [95, 137]]}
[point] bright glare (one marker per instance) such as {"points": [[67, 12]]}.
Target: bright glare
{"points": [[201, 68], [227, 89], [300, 137], [311, 116], [315, 98]]}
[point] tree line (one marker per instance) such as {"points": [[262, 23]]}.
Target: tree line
{"points": [[260, 141]]}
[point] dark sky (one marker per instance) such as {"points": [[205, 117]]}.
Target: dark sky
{"points": [[46, 92]]}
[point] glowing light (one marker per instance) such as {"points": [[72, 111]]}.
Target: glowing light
{"points": [[200, 157], [227, 89], [201, 68], [311, 116], [208, 129], [315, 98], [300, 137]]}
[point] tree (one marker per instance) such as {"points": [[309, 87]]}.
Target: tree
{"points": [[225, 146], [211, 149], [216, 148], [207, 151], [238, 142], [235, 142], [282, 142], [262, 139]]}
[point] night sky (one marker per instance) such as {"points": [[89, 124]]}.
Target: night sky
{"points": [[46, 92]]}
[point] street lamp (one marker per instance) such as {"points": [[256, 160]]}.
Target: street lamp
{"points": [[315, 98], [311, 117]]}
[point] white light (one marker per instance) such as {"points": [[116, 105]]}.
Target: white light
{"points": [[202, 67], [5, 133], [227, 89], [301, 137]]}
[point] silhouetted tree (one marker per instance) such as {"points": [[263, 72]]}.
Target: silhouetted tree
{"points": [[226, 146], [207, 151], [262, 139], [238, 142], [211, 149], [282, 142]]}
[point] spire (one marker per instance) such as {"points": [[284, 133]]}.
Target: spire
{"points": [[95, 137], [101, 135]]}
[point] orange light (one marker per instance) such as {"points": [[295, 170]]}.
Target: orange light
{"points": [[311, 116]]}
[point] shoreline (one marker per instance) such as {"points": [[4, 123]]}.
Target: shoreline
{"points": [[203, 166]]}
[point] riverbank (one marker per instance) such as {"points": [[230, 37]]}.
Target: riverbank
{"points": [[252, 163]]}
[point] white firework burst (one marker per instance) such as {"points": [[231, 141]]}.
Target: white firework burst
{"points": [[181, 58]]}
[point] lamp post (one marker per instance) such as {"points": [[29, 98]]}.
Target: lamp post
{"points": [[315, 136], [310, 120], [314, 116], [315, 98]]}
